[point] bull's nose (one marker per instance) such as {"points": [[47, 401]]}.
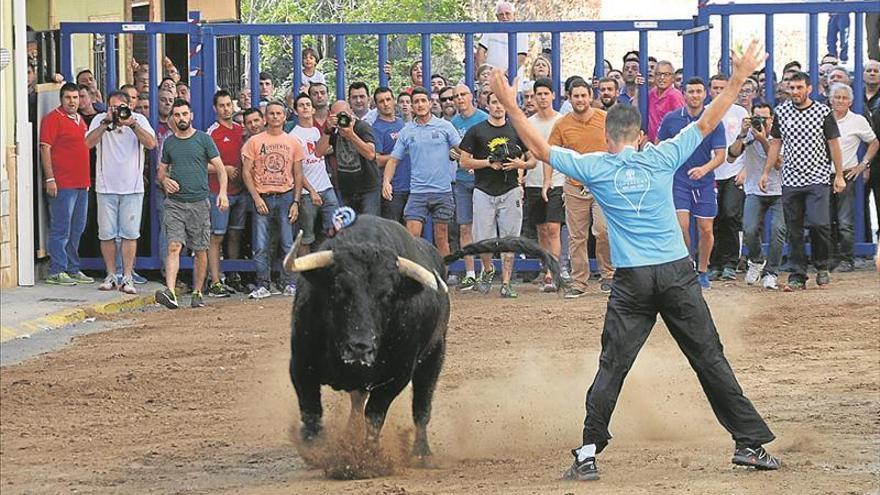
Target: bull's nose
{"points": [[359, 353]]}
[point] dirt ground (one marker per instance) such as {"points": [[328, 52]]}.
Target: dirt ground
{"points": [[198, 401]]}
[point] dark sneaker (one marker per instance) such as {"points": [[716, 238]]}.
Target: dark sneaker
{"points": [[218, 290], [467, 284], [605, 286], [795, 284], [61, 279], [508, 292], [757, 458], [138, 278], [844, 267], [728, 274], [197, 300], [585, 470], [167, 298], [574, 293], [823, 277], [713, 274]]}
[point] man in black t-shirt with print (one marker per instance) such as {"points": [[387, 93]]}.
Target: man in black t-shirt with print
{"points": [[354, 151], [495, 153]]}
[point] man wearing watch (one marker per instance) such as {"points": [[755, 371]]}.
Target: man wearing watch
{"points": [[272, 172], [119, 136]]}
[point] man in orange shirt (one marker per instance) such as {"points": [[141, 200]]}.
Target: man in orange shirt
{"points": [[272, 172], [583, 130]]}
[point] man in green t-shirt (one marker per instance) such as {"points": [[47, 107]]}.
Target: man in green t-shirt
{"points": [[183, 173]]}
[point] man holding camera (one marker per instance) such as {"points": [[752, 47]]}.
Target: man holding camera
{"points": [[750, 149], [120, 136], [494, 151], [354, 149]]}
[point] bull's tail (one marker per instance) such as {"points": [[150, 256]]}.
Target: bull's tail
{"points": [[519, 245]]}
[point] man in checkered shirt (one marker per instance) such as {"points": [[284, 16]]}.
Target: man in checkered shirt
{"points": [[811, 138]]}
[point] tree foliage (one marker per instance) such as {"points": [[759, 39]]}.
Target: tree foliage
{"points": [[362, 52]]}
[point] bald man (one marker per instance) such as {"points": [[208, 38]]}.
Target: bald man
{"points": [[354, 151]]}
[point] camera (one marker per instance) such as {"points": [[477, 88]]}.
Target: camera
{"points": [[504, 152], [123, 112], [758, 123], [343, 119]]}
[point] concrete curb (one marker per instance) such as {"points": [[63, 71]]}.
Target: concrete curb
{"points": [[66, 317]]}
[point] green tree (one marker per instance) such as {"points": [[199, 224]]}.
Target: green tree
{"points": [[362, 52]]}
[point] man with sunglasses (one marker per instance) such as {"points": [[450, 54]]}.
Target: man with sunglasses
{"points": [[662, 98]]}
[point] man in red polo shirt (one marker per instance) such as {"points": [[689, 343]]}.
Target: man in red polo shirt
{"points": [[65, 159], [228, 136]]}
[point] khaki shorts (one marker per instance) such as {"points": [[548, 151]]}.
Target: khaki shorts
{"points": [[188, 223]]}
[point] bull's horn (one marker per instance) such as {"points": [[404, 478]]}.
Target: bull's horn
{"points": [[308, 262], [417, 272]]}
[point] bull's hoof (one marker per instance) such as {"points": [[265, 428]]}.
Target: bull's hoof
{"points": [[310, 433], [423, 462]]}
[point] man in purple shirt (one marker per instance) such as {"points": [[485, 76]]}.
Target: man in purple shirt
{"points": [[663, 97]]}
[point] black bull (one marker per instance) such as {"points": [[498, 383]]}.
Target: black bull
{"points": [[370, 316]]}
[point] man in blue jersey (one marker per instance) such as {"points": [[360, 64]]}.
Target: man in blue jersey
{"points": [[693, 186], [653, 272], [427, 141], [386, 130]]}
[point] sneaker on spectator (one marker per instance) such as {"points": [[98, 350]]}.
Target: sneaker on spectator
{"points": [[565, 276], [508, 292], [275, 288], [166, 297], [713, 274], [823, 278], [844, 267], [728, 274], [704, 279], [452, 279], [290, 290], [127, 286], [138, 278], [795, 283], [485, 283], [605, 285], [218, 290], [548, 287], [110, 283], [259, 293], [769, 281], [233, 280], [197, 301], [574, 293], [753, 274], [61, 279], [467, 284], [81, 278]]}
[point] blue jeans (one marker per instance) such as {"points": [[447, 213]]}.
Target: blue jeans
{"points": [[838, 24], [68, 212], [844, 235], [366, 203], [279, 206], [754, 212]]}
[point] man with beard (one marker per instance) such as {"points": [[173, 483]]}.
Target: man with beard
{"points": [[354, 151], [183, 173], [386, 130], [608, 93], [321, 101]]}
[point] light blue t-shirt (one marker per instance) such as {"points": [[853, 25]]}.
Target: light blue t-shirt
{"points": [[428, 149], [462, 175], [634, 189]]}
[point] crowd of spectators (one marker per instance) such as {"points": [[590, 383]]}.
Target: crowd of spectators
{"points": [[447, 154]]}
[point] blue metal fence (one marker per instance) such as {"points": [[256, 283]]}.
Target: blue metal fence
{"points": [[694, 34]]}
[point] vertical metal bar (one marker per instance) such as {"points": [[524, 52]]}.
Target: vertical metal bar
{"points": [[643, 68], [769, 77], [687, 56], [297, 64], [702, 51], [42, 77], [426, 60], [599, 69], [340, 66], [154, 154], [255, 70], [383, 59], [725, 45], [556, 63], [859, 82], [194, 68], [813, 54], [110, 61], [511, 57], [66, 55], [53, 59], [469, 60], [209, 74]]}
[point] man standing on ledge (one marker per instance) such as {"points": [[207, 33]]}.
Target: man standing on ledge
{"points": [[653, 271]]}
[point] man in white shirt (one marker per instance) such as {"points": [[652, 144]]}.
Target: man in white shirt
{"points": [[120, 135], [492, 47], [318, 193], [854, 130]]}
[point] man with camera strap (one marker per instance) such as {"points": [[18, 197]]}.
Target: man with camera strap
{"points": [[120, 136]]}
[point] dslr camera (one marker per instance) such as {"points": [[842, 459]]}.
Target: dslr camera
{"points": [[343, 119], [505, 152], [758, 123], [123, 112]]}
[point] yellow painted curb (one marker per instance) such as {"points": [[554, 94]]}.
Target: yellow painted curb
{"points": [[69, 316]]}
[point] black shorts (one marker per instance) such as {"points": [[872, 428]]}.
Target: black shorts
{"points": [[541, 211]]}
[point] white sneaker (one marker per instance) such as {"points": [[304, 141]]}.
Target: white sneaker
{"points": [[127, 286], [109, 283], [260, 293], [754, 272], [290, 290], [769, 281]]}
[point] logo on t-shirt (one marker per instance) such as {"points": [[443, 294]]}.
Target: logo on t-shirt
{"points": [[632, 184]]}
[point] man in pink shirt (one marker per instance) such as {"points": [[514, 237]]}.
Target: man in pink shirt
{"points": [[662, 98]]}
